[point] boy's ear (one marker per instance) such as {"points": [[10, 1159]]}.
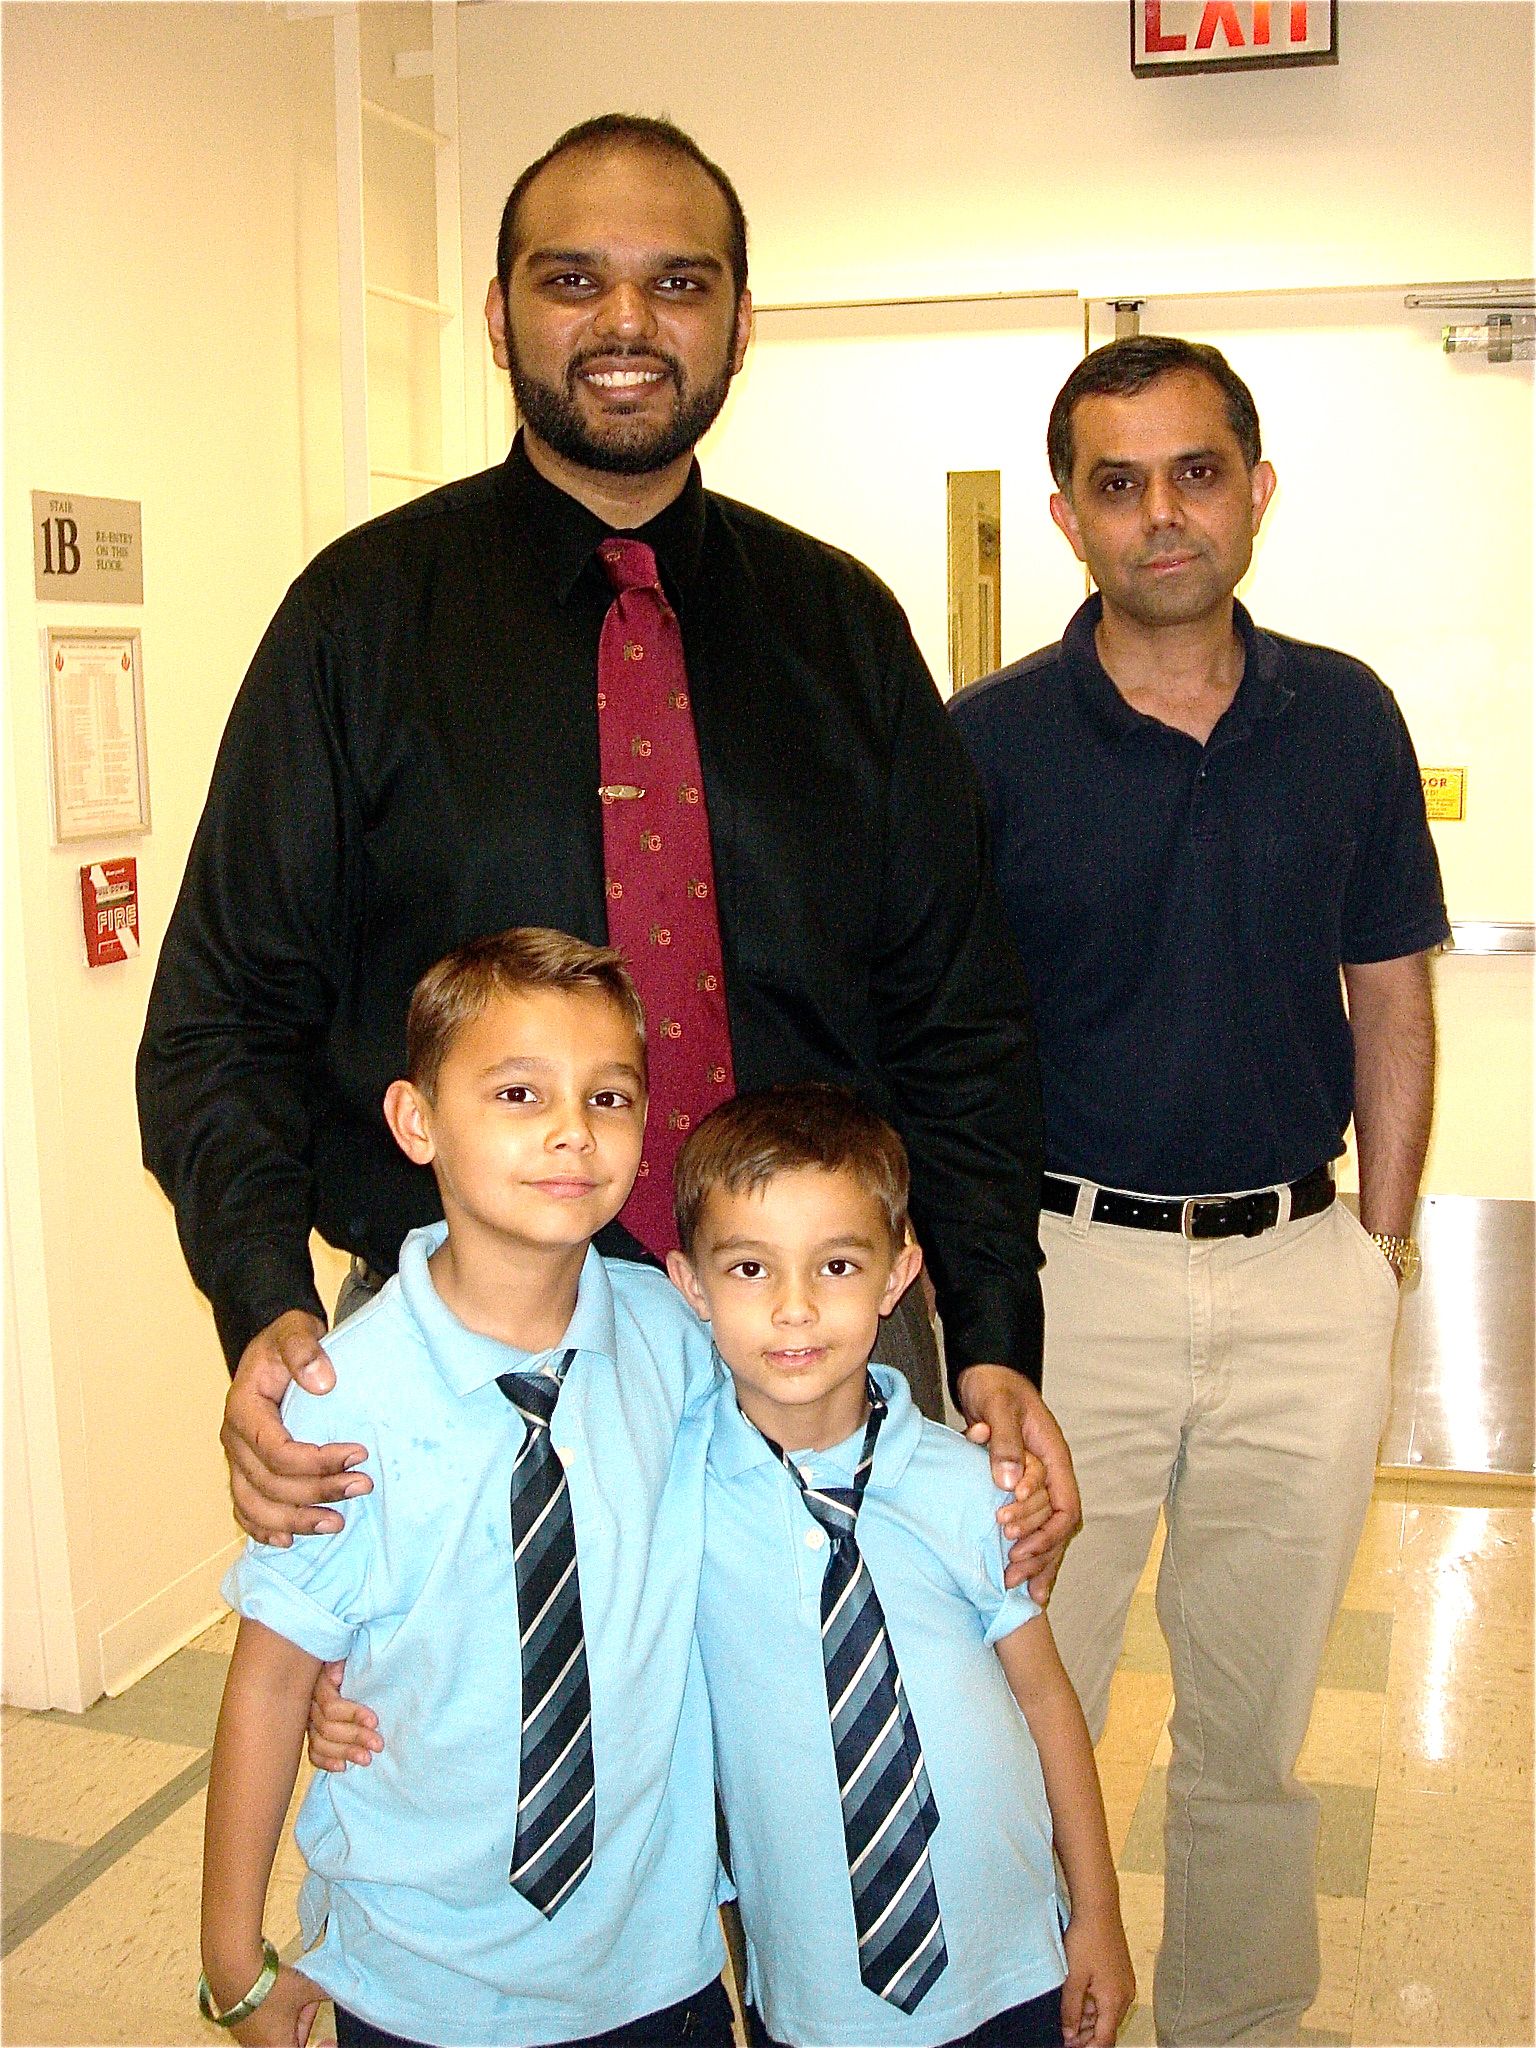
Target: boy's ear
{"points": [[904, 1270], [680, 1272], [408, 1115]]}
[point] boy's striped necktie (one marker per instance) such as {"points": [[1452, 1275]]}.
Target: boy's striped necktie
{"points": [[552, 1848], [889, 1811]]}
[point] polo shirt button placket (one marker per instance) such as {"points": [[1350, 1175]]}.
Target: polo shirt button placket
{"points": [[809, 1568]]}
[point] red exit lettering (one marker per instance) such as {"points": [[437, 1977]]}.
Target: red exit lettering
{"points": [[1156, 40], [1226, 16], [1223, 15]]}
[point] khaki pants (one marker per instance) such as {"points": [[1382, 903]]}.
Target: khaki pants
{"points": [[1238, 1387]]}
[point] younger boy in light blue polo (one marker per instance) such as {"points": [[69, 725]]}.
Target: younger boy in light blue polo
{"points": [[512, 1869], [891, 1811]]}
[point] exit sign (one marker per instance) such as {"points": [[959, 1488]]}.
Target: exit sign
{"points": [[1231, 35]]}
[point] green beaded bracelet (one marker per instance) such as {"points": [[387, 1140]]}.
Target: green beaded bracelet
{"points": [[271, 1963]]}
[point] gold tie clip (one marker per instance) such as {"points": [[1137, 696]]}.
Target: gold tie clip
{"points": [[618, 792]]}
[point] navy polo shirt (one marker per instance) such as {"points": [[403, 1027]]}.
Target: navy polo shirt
{"points": [[1183, 911]]}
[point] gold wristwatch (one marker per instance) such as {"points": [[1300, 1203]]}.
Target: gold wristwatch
{"points": [[1400, 1253]]}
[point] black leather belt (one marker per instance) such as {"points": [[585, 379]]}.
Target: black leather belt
{"points": [[1194, 1216]]}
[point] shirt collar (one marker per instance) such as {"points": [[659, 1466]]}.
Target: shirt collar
{"points": [[1260, 694], [737, 1444], [564, 535], [466, 1359]]}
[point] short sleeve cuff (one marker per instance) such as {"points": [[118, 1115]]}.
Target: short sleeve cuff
{"points": [[1370, 948], [259, 1593], [1002, 1608], [1014, 1610]]}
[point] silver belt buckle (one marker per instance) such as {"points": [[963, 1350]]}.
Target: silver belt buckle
{"points": [[1187, 1218]]}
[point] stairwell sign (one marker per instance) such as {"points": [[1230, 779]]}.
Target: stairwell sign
{"points": [[1174, 36], [87, 550]]}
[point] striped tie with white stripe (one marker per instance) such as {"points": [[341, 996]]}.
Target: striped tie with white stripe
{"points": [[889, 1811], [552, 1849]]}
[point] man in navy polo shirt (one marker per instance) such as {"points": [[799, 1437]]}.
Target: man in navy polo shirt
{"points": [[1197, 826]]}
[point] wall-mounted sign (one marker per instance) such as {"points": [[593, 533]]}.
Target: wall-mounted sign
{"points": [[96, 733], [1445, 794], [1231, 35], [109, 910], [88, 550]]}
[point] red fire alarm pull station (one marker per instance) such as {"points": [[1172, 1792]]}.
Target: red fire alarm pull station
{"points": [[109, 908]]}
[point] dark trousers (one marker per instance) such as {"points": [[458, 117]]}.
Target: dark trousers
{"points": [[1035, 2024], [702, 2021], [907, 1343]]}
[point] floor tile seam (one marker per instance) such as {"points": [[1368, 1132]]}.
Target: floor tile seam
{"points": [[1446, 1486], [51, 1898], [1398, 1804]]}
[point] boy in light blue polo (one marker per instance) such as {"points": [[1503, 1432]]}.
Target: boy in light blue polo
{"points": [[891, 1811], [533, 1860]]}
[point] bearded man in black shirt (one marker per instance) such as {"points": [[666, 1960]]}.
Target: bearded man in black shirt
{"points": [[414, 760]]}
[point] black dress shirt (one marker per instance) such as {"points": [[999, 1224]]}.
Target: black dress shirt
{"points": [[412, 761], [1182, 911]]}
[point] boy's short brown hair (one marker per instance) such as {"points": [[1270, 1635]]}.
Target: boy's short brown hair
{"points": [[464, 983], [746, 1143]]}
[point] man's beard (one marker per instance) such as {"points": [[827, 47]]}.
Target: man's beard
{"points": [[634, 447]]}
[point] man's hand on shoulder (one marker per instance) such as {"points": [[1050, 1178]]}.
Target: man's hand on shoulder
{"points": [[275, 1483], [1004, 1411]]}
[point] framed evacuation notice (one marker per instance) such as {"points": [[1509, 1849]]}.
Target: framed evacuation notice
{"points": [[1180, 36], [100, 773]]}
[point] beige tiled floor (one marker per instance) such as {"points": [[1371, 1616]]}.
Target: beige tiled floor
{"points": [[75, 1792], [1420, 1746]]}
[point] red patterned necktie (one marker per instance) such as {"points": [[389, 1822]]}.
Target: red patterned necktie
{"points": [[662, 912]]}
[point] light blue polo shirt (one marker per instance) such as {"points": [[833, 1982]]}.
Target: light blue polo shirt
{"points": [[423, 1934], [928, 1533]]}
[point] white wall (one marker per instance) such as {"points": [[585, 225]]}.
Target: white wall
{"points": [[399, 206], [170, 311], [848, 423], [894, 148]]}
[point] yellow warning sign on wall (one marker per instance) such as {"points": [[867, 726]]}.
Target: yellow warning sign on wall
{"points": [[1445, 794]]}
